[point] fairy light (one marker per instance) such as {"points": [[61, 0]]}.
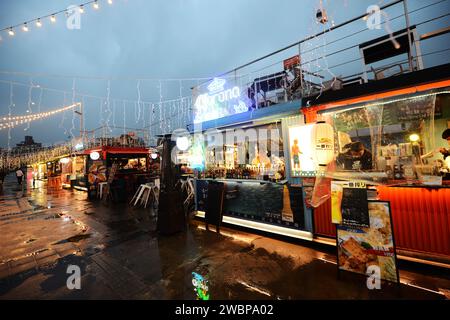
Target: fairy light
{"points": [[13, 121], [138, 87], [108, 105], [38, 21]]}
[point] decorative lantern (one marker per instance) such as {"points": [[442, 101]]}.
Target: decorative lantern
{"points": [[94, 155], [183, 143], [321, 14], [323, 143], [154, 156]]}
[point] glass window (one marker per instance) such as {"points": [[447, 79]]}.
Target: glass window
{"points": [[244, 153], [391, 140]]}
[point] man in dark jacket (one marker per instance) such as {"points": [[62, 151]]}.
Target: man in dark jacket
{"points": [[356, 158], [445, 136]]}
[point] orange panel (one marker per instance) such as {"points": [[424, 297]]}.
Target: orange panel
{"points": [[421, 218], [322, 220]]}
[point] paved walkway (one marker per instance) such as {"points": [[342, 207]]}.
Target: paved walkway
{"points": [[121, 256]]}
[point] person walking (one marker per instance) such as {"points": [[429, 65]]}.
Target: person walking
{"points": [[2, 177], [19, 175]]}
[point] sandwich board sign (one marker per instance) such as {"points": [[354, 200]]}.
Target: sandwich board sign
{"points": [[363, 249]]}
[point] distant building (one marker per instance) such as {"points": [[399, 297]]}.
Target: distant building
{"points": [[29, 142], [28, 145]]}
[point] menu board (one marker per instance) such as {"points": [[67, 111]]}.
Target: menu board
{"points": [[361, 248], [349, 204]]}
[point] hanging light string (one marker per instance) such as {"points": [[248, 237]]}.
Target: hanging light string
{"points": [[21, 157], [73, 113], [79, 94], [11, 122], [131, 79], [11, 104], [38, 22]]}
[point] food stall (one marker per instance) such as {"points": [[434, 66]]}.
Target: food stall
{"points": [[247, 151], [394, 141], [40, 171], [131, 168]]}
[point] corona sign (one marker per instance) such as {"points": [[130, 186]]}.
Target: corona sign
{"points": [[218, 102]]}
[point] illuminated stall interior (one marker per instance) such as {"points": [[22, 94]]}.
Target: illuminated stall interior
{"points": [[255, 154], [399, 139]]}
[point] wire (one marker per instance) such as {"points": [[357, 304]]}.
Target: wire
{"points": [[46, 16]]}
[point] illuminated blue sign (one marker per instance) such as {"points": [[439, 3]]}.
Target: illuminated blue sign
{"points": [[219, 102]]}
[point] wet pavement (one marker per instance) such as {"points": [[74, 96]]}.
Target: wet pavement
{"points": [[121, 256]]}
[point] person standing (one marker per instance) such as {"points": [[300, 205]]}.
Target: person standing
{"points": [[2, 176], [446, 136], [19, 175]]}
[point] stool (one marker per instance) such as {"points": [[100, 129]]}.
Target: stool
{"points": [[140, 193], [101, 186]]}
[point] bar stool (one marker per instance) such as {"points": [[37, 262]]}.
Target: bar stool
{"points": [[101, 186], [145, 191]]}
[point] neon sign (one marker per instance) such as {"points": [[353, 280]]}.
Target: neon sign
{"points": [[218, 102]]}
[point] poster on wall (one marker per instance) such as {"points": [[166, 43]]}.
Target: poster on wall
{"points": [[349, 204], [361, 248], [300, 150]]}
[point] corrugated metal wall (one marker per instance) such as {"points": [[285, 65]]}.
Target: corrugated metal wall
{"points": [[421, 218], [322, 220]]}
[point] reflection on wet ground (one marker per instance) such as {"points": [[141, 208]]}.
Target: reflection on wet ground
{"points": [[121, 256]]}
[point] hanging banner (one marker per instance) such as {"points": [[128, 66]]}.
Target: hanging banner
{"points": [[363, 250], [349, 205]]}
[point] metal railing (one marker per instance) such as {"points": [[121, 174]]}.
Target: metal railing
{"points": [[332, 58], [107, 136]]}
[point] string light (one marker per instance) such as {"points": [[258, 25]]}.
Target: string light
{"points": [[11, 122], [38, 21]]}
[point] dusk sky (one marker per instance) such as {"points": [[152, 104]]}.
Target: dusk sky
{"points": [[149, 39]]}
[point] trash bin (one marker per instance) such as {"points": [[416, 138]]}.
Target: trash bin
{"points": [[214, 204]]}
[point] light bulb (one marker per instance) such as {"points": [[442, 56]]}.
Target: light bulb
{"points": [[25, 27], [53, 18], [11, 32], [110, 2], [81, 9], [95, 5], [38, 23]]}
